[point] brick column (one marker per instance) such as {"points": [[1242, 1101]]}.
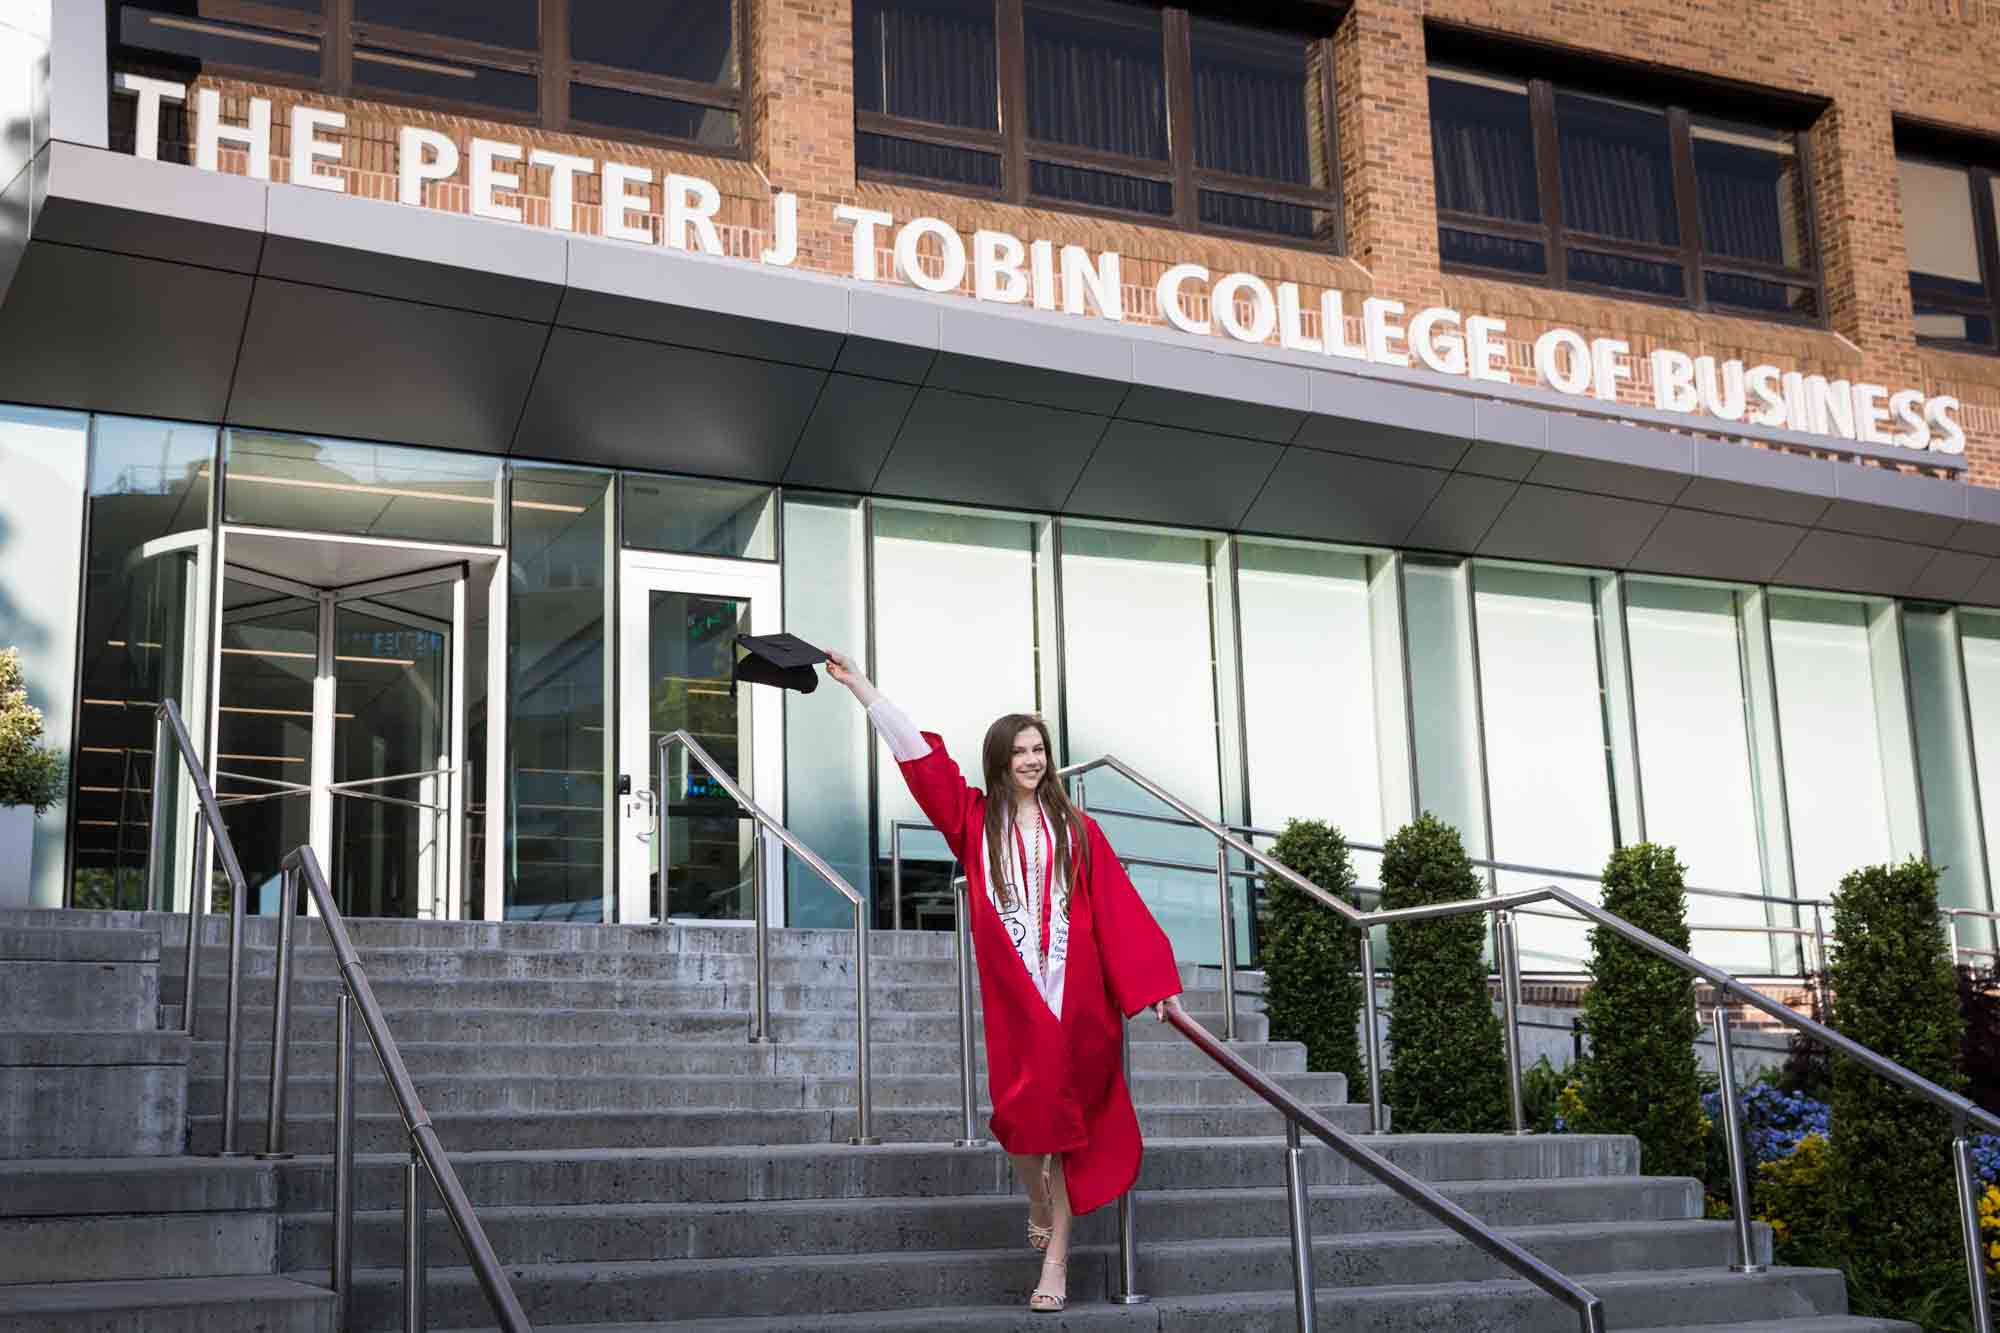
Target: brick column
{"points": [[802, 98], [1383, 111]]}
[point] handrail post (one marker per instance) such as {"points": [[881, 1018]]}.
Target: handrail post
{"points": [[1299, 1206], [864, 1094], [343, 1157], [1819, 948], [415, 1261], [1127, 1292], [232, 1023], [197, 907], [760, 1010], [281, 1014], [157, 878], [1509, 946], [1968, 1215], [1732, 1130], [968, 1081], [1228, 942], [1371, 1044]]}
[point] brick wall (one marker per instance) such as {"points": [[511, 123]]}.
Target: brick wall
{"points": [[1929, 59]]}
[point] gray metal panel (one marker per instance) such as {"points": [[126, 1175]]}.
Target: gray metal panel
{"points": [[889, 337], [113, 333], [1609, 458], [1980, 532], [160, 210], [1986, 592], [1902, 507], [79, 75], [881, 360], [989, 451], [1336, 401], [1507, 440], [1701, 544], [1198, 389], [1038, 358], [1161, 475], [852, 428], [721, 305], [628, 403], [1950, 576], [414, 254], [1844, 562], [1316, 494], [340, 363], [1462, 514], [1570, 527], [1759, 483]]}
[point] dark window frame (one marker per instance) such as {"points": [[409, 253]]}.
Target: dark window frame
{"points": [[1940, 146], [1675, 96], [1179, 171], [338, 34]]}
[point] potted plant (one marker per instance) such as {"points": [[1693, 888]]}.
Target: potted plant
{"points": [[31, 780]]}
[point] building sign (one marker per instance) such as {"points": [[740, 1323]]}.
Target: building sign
{"points": [[1004, 269]]}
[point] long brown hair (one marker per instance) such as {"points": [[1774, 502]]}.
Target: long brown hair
{"points": [[997, 756]]}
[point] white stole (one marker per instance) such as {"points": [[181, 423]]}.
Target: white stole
{"points": [[1024, 922]]}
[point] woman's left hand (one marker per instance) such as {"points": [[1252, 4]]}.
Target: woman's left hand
{"points": [[1172, 1004]]}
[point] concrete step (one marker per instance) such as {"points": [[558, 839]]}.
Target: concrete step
{"points": [[784, 1286], [96, 980], [91, 1093], [184, 1305], [795, 1059], [624, 1233], [128, 1218], [697, 1127], [745, 1174], [609, 1025], [466, 1093]]}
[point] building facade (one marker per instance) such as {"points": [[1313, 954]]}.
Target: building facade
{"points": [[1577, 420]]}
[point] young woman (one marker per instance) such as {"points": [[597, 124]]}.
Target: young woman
{"points": [[1066, 951]]}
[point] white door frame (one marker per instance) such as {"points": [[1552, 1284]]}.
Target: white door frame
{"points": [[641, 573]]}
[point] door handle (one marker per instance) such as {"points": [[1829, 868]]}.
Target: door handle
{"points": [[646, 804]]}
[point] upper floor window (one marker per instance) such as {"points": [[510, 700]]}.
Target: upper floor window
{"points": [[1133, 109], [1948, 229], [624, 69], [1630, 197]]}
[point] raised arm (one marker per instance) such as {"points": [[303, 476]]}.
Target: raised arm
{"points": [[941, 791]]}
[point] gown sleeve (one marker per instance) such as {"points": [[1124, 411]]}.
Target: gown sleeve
{"points": [[1139, 966], [940, 790]]}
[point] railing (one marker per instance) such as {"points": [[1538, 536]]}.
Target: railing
{"points": [[1959, 951], [1964, 1113], [769, 828]]}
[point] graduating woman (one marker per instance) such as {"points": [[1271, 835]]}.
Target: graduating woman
{"points": [[1066, 952]]}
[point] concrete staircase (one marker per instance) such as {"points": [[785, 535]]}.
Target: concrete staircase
{"points": [[639, 1165]]}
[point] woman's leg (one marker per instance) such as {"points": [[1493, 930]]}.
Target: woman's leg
{"points": [[1029, 1168], [1052, 1292]]}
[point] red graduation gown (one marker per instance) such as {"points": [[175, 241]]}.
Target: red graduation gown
{"points": [[1058, 1085]]}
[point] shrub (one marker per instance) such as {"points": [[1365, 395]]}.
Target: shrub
{"points": [[1895, 993], [1642, 1078], [1311, 990], [1447, 1073], [1775, 1122], [30, 772], [1794, 1194], [1549, 1096]]}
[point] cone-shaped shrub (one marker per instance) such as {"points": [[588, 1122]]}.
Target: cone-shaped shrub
{"points": [[1447, 1071], [1312, 992], [1894, 992], [1640, 1015]]}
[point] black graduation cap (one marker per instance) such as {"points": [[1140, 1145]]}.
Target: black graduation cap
{"points": [[784, 660]]}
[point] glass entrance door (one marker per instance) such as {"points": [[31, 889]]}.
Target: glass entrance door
{"points": [[685, 851]]}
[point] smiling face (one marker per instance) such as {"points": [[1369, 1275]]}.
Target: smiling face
{"points": [[1030, 760]]}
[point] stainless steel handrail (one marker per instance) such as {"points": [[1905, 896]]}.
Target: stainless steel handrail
{"points": [[1964, 1112], [427, 1154], [768, 827], [1958, 951], [1300, 1117]]}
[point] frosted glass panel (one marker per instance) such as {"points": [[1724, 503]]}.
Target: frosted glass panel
{"points": [[1545, 747], [1944, 756], [1694, 757], [1140, 686], [1979, 639], [1833, 754], [1441, 699]]}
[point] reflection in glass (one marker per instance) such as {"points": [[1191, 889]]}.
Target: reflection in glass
{"points": [[1979, 642], [559, 547], [1938, 228], [1617, 170], [1257, 103], [206, 40], [1140, 685], [1649, 277], [145, 578], [700, 517], [933, 60], [302, 483], [1242, 212], [1097, 77], [911, 157], [1696, 780], [614, 108], [1833, 746], [706, 844], [264, 730], [1100, 189], [826, 736], [1750, 192], [1944, 755], [1483, 251], [689, 39], [446, 81], [1483, 146], [1443, 707], [1547, 784], [495, 22]]}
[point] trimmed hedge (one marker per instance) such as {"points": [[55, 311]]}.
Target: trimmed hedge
{"points": [[1309, 953], [1447, 1071], [1896, 1214], [1642, 1078]]}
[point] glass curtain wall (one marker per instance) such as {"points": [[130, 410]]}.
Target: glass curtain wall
{"points": [[1979, 648], [1938, 705]]}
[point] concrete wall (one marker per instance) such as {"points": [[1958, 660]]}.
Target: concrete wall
{"points": [[42, 462]]}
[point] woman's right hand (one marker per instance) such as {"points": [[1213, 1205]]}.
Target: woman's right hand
{"points": [[841, 668]]}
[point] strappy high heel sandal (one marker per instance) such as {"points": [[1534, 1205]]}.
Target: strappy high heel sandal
{"points": [[1039, 1236], [1050, 1302]]}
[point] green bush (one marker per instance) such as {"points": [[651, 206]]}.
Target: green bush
{"points": [[1447, 1072], [1639, 1012], [30, 772], [1312, 992], [1896, 1214]]}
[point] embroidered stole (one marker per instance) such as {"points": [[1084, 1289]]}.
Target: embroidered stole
{"points": [[1024, 922]]}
